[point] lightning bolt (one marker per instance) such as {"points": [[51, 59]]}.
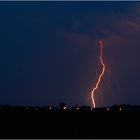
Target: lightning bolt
{"points": [[100, 76]]}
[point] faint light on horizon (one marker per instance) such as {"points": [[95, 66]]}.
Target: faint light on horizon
{"points": [[65, 108], [108, 109]]}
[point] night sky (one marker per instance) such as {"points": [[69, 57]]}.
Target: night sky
{"points": [[49, 52]]}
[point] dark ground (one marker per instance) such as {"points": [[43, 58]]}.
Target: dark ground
{"points": [[28, 123]]}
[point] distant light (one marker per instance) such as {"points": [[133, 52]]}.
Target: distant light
{"points": [[108, 109], [91, 108], [77, 108], [64, 107], [50, 107], [120, 109]]}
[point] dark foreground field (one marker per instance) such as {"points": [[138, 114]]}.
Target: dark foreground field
{"points": [[26, 122]]}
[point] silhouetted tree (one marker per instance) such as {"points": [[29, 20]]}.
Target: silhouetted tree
{"points": [[62, 105]]}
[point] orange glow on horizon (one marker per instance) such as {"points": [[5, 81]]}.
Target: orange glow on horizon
{"points": [[100, 76]]}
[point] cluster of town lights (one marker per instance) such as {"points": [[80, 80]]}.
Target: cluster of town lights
{"points": [[78, 108]]}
